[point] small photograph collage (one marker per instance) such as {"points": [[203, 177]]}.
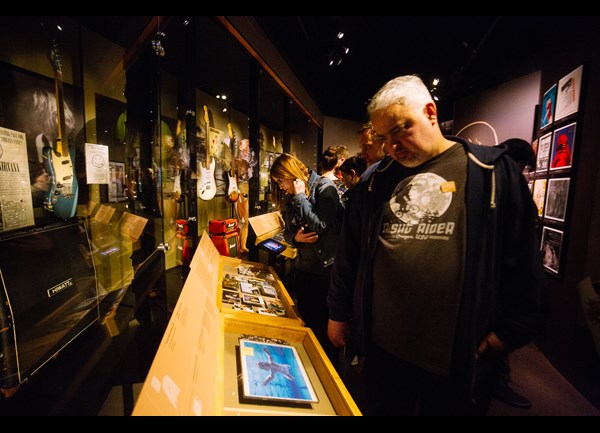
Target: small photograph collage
{"points": [[245, 291], [555, 150]]}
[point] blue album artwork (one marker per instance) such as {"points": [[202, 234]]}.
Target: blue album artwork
{"points": [[274, 372], [548, 107]]}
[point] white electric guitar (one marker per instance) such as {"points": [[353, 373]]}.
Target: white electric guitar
{"points": [[207, 187]]}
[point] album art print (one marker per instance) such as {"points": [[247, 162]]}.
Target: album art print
{"points": [[274, 372]]}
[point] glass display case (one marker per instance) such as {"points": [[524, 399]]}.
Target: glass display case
{"points": [[137, 131]]}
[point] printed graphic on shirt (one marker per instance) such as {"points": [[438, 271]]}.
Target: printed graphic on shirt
{"points": [[417, 207]]}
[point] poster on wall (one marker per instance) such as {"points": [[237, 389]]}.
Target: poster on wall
{"points": [[569, 90], [28, 104], [539, 195], [562, 147], [557, 198], [116, 185], [96, 163], [548, 106], [543, 153], [552, 242], [16, 207]]}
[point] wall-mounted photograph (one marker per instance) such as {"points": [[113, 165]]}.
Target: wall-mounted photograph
{"points": [[557, 198], [562, 147], [569, 91], [552, 242], [548, 106]]}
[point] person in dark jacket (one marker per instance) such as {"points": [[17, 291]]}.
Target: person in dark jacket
{"points": [[312, 211], [438, 270]]}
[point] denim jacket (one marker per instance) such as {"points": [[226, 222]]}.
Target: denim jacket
{"points": [[319, 213]]}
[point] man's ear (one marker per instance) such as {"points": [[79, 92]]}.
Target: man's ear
{"points": [[431, 111]]}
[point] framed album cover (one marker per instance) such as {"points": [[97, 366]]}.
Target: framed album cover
{"points": [[539, 195], [548, 106], [274, 372], [557, 198], [569, 91], [562, 147], [543, 153], [551, 247]]}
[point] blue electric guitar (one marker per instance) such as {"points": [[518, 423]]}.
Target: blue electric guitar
{"points": [[58, 158], [207, 187]]}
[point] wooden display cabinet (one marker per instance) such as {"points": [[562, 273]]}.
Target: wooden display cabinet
{"points": [[195, 370]]}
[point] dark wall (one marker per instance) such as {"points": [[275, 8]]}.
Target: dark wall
{"points": [[578, 45]]}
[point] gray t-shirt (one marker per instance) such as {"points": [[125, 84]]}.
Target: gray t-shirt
{"points": [[419, 264]]}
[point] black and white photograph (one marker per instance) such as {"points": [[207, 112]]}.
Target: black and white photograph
{"points": [[569, 91], [543, 154], [249, 288], [552, 241], [230, 296], [256, 301], [557, 198]]}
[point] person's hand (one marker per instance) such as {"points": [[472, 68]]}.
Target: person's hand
{"points": [[306, 237], [299, 186], [338, 333], [491, 343]]}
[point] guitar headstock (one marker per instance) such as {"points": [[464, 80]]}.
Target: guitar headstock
{"points": [[55, 57]]}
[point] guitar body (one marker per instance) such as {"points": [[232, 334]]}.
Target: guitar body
{"points": [[233, 192], [207, 187], [64, 189]]}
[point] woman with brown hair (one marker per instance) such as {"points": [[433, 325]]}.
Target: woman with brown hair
{"points": [[311, 209]]}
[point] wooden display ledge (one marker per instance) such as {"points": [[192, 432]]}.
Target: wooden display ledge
{"points": [[194, 371]]}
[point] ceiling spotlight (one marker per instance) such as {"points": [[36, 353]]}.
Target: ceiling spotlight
{"points": [[340, 35], [436, 98], [346, 50], [59, 28], [331, 63], [224, 110], [186, 22], [223, 97], [218, 96], [436, 81]]}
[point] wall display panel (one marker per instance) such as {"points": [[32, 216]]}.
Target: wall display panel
{"points": [[552, 247], [569, 94], [29, 104], [557, 199], [563, 147], [548, 107]]}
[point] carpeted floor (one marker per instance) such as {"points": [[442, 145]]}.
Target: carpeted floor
{"points": [[550, 393]]}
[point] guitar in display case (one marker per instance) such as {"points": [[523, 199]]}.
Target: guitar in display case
{"points": [[207, 187], [233, 192], [58, 158]]}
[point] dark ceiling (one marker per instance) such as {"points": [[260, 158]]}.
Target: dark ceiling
{"points": [[468, 53]]}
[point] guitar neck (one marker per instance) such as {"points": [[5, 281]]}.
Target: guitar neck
{"points": [[61, 146], [207, 146]]}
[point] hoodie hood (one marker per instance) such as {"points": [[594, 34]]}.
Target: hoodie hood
{"points": [[484, 157]]}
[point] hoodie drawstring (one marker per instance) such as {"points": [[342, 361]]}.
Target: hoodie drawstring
{"points": [[489, 167]]}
